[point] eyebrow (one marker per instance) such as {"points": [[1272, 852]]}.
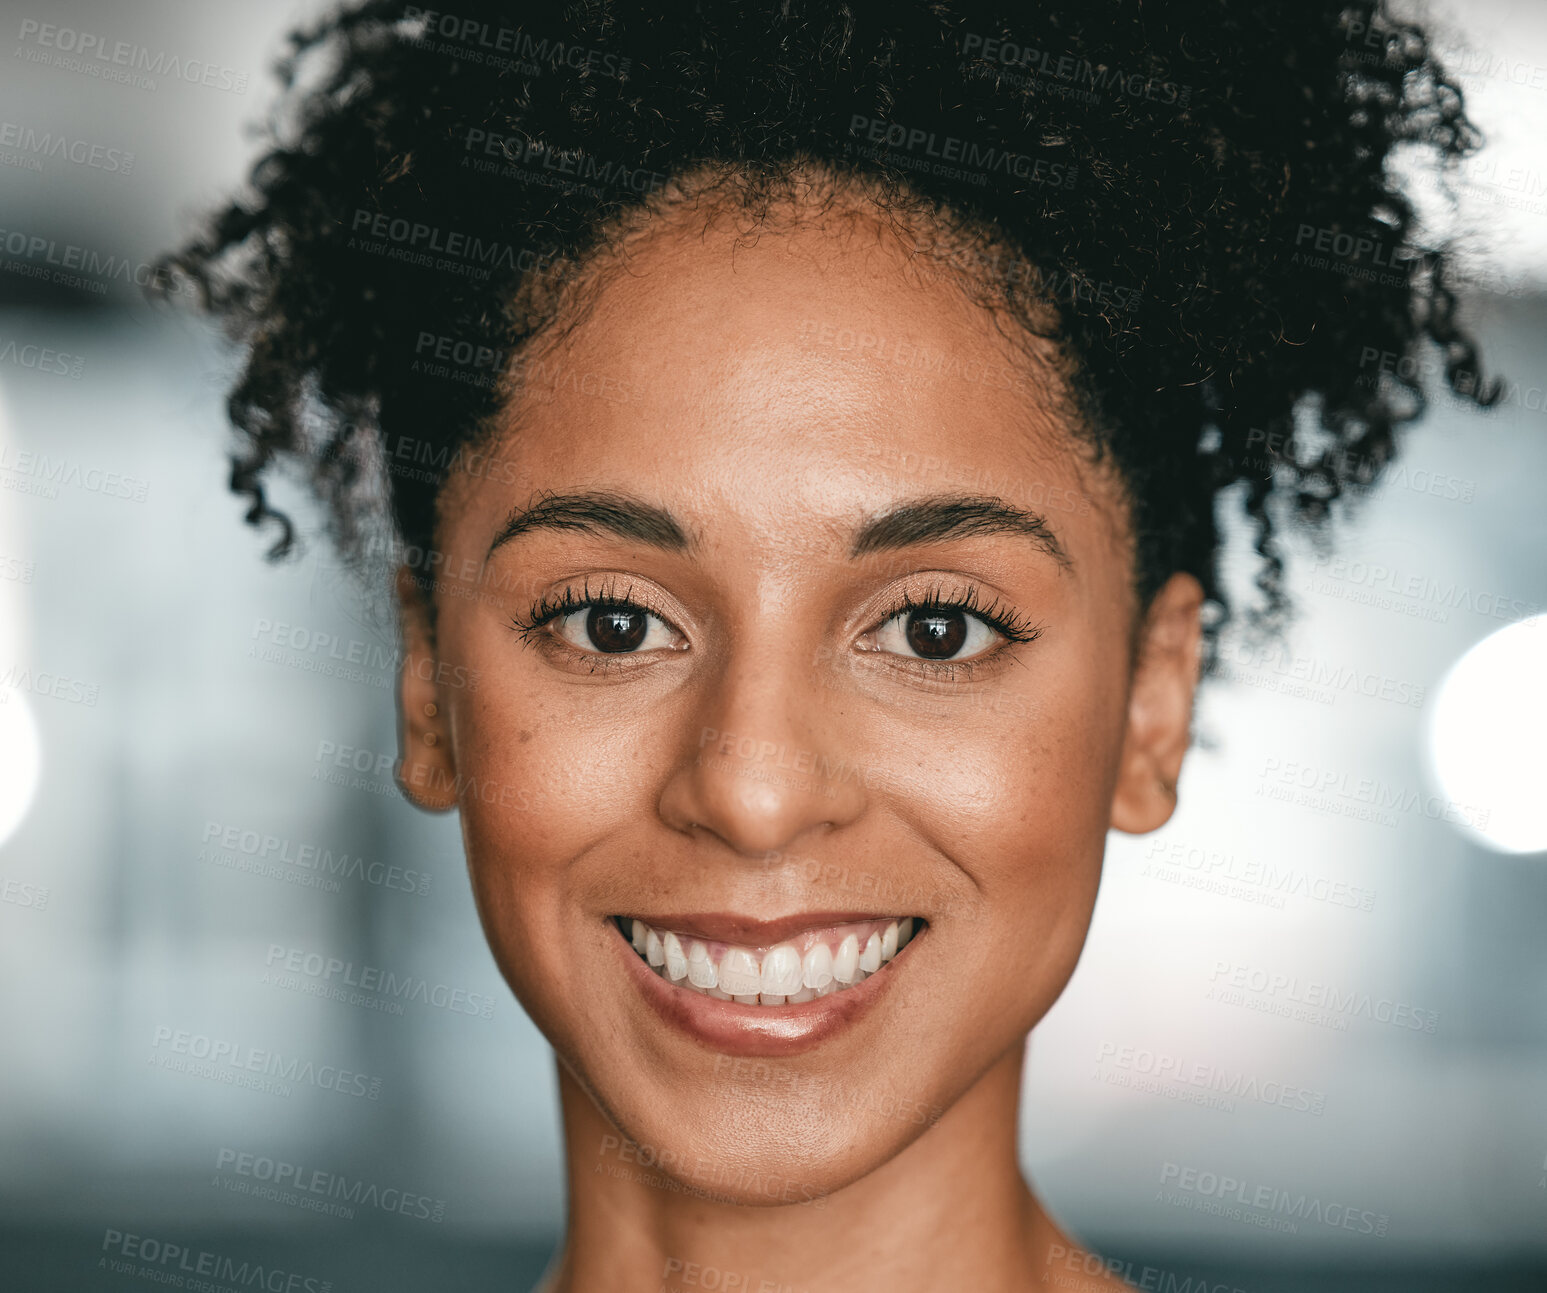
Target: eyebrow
{"points": [[926, 520], [617, 514], [941, 519]]}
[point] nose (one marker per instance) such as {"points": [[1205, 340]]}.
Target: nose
{"points": [[765, 763]]}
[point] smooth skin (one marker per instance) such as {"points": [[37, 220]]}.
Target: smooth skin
{"points": [[726, 382]]}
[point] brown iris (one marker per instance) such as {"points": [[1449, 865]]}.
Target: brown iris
{"points": [[937, 635], [613, 629]]}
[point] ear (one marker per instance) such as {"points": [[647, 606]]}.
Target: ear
{"points": [[1160, 700], [426, 768]]}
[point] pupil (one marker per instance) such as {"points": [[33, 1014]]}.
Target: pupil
{"points": [[937, 635], [615, 630]]}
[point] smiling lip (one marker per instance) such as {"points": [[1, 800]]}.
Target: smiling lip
{"points": [[735, 1028]]}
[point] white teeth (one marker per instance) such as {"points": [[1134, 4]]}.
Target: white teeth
{"points": [[676, 962], [816, 971], [847, 960], [701, 971], [781, 972], [778, 976], [738, 973], [870, 958]]}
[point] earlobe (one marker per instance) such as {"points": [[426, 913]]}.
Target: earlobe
{"points": [[426, 765], [1159, 722]]}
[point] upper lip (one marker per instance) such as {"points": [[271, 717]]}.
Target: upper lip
{"points": [[748, 931]]}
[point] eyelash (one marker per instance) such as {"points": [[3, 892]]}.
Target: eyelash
{"points": [[549, 608], [1011, 626]]}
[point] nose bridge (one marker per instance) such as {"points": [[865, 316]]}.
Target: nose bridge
{"points": [[766, 762]]}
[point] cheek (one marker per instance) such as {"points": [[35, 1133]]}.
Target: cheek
{"points": [[543, 779], [1020, 799]]}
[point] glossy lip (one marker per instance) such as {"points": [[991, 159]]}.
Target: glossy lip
{"points": [[730, 1028]]}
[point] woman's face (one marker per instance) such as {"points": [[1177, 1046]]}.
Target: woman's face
{"points": [[884, 667]]}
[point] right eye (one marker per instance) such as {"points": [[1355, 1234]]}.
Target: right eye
{"points": [[613, 629]]}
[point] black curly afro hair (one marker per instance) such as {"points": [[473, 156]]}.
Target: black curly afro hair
{"points": [[1199, 190]]}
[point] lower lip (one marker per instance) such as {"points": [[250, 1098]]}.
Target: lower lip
{"points": [[731, 1028]]}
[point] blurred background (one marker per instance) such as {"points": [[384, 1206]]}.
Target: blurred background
{"points": [[1306, 1047]]}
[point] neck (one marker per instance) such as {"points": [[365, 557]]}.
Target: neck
{"points": [[950, 1211]]}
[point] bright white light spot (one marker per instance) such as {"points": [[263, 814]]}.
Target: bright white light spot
{"points": [[1488, 738], [21, 759]]}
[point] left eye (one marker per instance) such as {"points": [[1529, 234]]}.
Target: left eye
{"points": [[935, 633], [613, 630]]}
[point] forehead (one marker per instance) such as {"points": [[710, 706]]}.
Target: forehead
{"points": [[787, 374]]}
